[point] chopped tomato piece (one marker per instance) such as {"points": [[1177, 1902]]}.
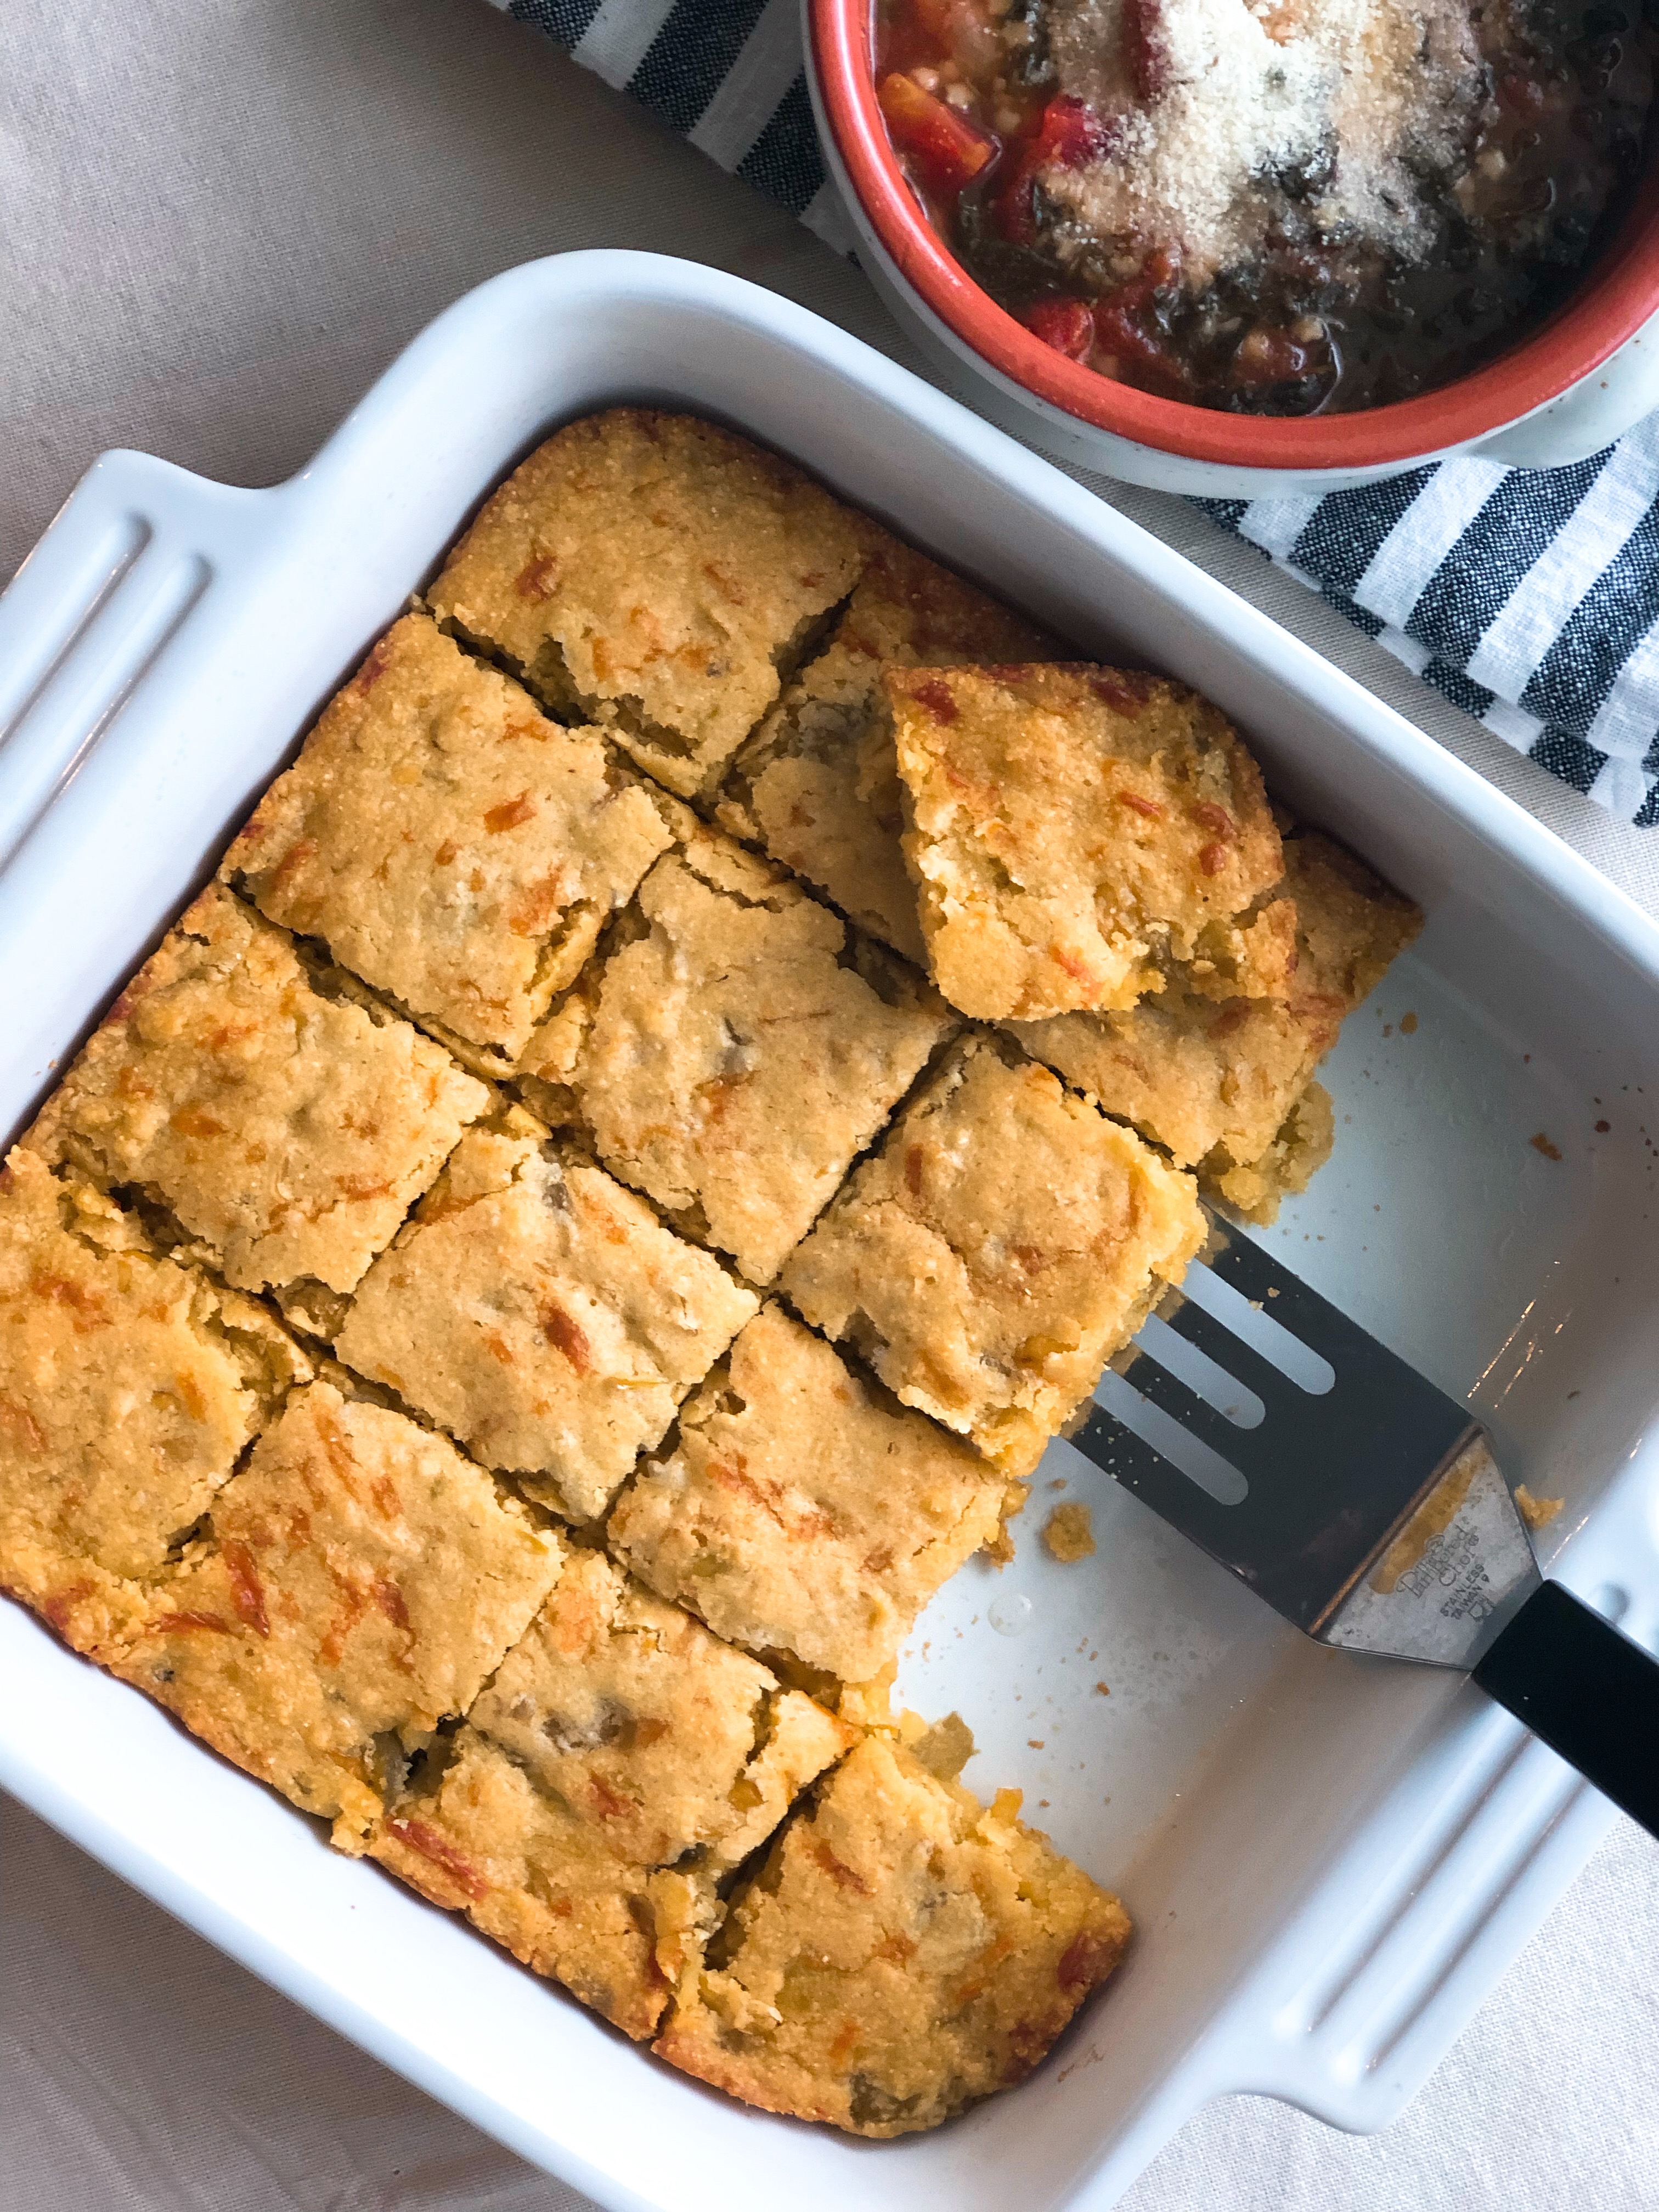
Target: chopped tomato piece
{"points": [[1119, 331], [1069, 134], [945, 149], [1064, 325]]}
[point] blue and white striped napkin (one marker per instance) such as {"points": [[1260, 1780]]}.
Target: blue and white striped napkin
{"points": [[1527, 596]]}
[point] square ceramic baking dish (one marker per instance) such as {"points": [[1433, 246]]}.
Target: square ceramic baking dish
{"points": [[1330, 1859]]}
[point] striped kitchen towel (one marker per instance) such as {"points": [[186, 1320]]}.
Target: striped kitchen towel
{"points": [[1529, 597]]}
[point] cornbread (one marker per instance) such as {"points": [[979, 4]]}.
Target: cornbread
{"points": [[621, 1761], [818, 785], [801, 1509], [657, 574], [359, 1581], [1216, 1082], [129, 1386], [543, 1314], [1003, 1243], [286, 1129], [446, 842], [1071, 831], [1068, 1533], [516, 1085], [735, 1057], [902, 1951]]}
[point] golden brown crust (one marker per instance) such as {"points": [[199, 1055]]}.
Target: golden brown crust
{"points": [[1003, 1243], [359, 1580], [1071, 831], [802, 1510], [904, 1952], [446, 842], [818, 785], [736, 1056], [657, 574], [621, 1760], [286, 1130], [541, 1313], [129, 1386]]}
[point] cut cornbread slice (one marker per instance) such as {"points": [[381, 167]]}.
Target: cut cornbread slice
{"points": [[818, 785], [801, 1509], [286, 1130], [620, 1762], [1003, 1243], [359, 1581], [734, 1059], [129, 1386], [659, 573], [543, 1314], [1071, 831], [904, 1951], [446, 842], [1215, 1083]]}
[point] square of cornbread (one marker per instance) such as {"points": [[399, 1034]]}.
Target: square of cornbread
{"points": [[1002, 1244], [904, 1951], [1226, 1085], [1071, 831], [287, 1130], [656, 573], [735, 1054], [818, 785], [801, 1509], [541, 1313], [359, 1581], [620, 1763], [129, 1388], [446, 842]]}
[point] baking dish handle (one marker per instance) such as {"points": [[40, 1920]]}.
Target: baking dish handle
{"points": [[1599, 409], [120, 571], [1371, 1987]]}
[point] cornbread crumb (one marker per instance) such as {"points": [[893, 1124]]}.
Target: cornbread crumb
{"points": [[739, 1053], [657, 574], [945, 1748], [818, 785], [620, 1763], [904, 1951], [285, 1129], [1536, 1512], [1003, 1243], [129, 1386], [1073, 830], [359, 1581], [446, 842], [802, 1510], [542, 1314], [1069, 1533]]}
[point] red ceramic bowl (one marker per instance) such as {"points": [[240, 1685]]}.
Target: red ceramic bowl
{"points": [[1619, 293]]}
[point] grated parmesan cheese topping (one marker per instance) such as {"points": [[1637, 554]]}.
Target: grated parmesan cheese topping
{"points": [[1222, 113]]}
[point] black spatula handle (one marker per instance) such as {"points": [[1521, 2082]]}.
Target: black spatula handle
{"points": [[1585, 1690]]}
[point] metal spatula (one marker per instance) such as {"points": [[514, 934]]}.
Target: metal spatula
{"points": [[1365, 1505]]}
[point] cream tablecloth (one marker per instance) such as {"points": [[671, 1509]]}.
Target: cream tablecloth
{"points": [[218, 219]]}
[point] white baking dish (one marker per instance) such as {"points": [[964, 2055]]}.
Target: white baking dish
{"points": [[1330, 1859]]}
